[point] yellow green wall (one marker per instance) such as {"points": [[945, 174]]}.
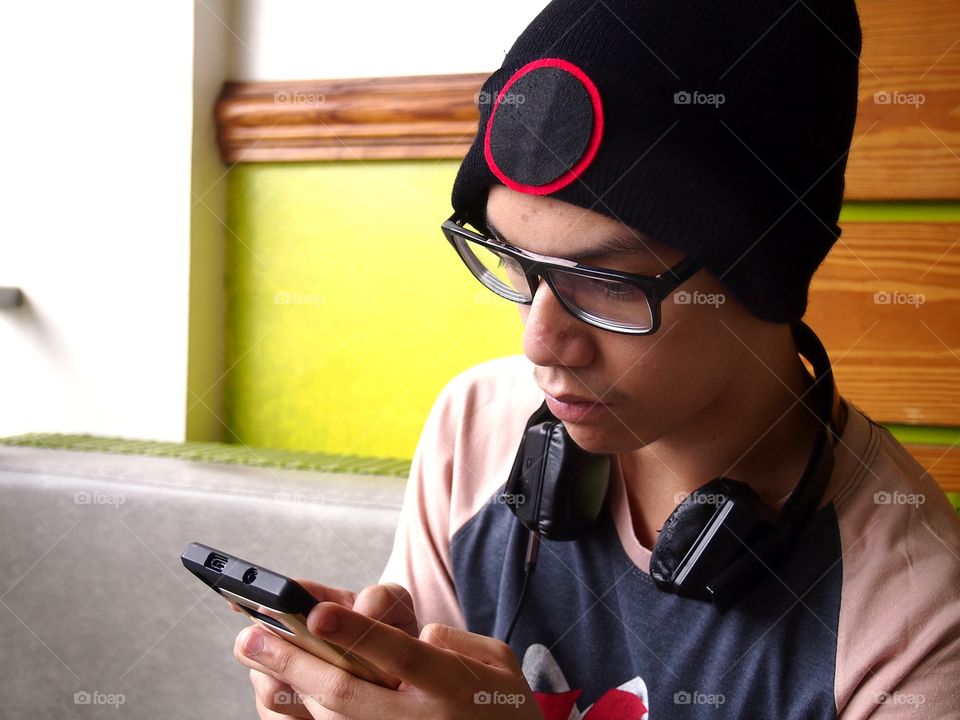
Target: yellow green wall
{"points": [[380, 314], [379, 311]]}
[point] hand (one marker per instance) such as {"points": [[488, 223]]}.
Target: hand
{"points": [[446, 672], [390, 603]]}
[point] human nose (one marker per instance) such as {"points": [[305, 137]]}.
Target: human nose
{"points": [[551, 335]]}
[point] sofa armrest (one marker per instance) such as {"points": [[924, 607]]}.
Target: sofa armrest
{"points": [[95, 601]]}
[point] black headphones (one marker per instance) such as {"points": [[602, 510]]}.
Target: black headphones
{"points": [[717, 541]]}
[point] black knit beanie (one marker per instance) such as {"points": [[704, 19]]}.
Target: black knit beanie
{"points": [[718, 128]]}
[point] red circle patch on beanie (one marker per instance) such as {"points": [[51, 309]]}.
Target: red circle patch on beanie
{"points": [[544, 128]]}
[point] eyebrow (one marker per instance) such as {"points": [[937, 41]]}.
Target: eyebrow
{"points": [[610, 246]]}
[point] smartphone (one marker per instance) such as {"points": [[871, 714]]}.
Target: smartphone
{"points": [[275, 602]]}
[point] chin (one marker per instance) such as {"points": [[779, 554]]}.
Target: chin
{"points": [[602, 442]]}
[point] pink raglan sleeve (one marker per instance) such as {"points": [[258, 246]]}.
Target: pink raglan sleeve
{"points": [[898, 644], [464, 455], [420, 559]]}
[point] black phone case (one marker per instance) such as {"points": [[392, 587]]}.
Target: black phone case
{"points": [[276, 602], [246, 579]]}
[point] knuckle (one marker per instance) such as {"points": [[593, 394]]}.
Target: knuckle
{"points": [[387, 603], [433, 633], [398, 592], [381, 596], [338, 691], [275, 701], [284, 702], [406, 657], [504, 653], [282, 662], [271, 693], [257, 678], [403, 598], [371, 601]]}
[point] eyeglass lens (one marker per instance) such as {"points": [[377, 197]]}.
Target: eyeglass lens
{"points": [[607, 301]]}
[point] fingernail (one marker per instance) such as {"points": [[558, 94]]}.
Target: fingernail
{"points": [[253, 644]]}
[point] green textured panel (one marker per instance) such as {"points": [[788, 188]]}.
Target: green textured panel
{"points": [[901, 211], [347, 309], [215, 452], [954, 499], [347, 312], [909, 211], [925, 435]]}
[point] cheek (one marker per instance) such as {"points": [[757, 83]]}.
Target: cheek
{"points": [[659, 385], [656, 383]]}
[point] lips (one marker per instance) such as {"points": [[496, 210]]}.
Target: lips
{"points": [[570, 398], [573, 408]]}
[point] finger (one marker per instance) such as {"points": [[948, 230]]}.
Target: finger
{"points": [[390, 649], [276, 696], [319, 684], [389, 603], [265, 713], [326, 593], [247, 657], [487, 650]]}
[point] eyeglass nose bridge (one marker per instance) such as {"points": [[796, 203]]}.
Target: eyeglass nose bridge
{"points": [[537, 275], [534, 279]]}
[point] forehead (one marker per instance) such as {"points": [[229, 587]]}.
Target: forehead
{"points": [[553, 227]]}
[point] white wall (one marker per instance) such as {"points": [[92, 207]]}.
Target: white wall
{"points": [[94, 216], [102, 161], [309, 39], [213, 42]]}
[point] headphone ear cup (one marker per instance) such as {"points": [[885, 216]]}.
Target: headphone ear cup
{"points": [[574, 487], [556, 488], [524, 488], [687, 525]]}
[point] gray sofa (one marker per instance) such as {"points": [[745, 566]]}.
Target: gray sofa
{"points": [[98, 618]]}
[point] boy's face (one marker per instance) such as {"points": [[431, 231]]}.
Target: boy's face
{"points": [[647, 386]]}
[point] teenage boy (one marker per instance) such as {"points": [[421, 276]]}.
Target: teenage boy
{"points": [[654, 184]]}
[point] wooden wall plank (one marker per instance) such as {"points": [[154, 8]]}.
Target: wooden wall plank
{"points": [[941, 463], [903, 150], [900, 150], [429, 116], [886, 303]]}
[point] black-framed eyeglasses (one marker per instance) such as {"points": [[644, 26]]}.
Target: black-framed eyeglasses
{"points": [[609, 299]]}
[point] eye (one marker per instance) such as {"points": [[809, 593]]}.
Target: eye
{"points": [[612, 290]]}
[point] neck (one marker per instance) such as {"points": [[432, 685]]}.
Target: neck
{"points": [[755, 431]]}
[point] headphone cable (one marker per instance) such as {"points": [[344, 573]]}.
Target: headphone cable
{"points": [[533, 546]]}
